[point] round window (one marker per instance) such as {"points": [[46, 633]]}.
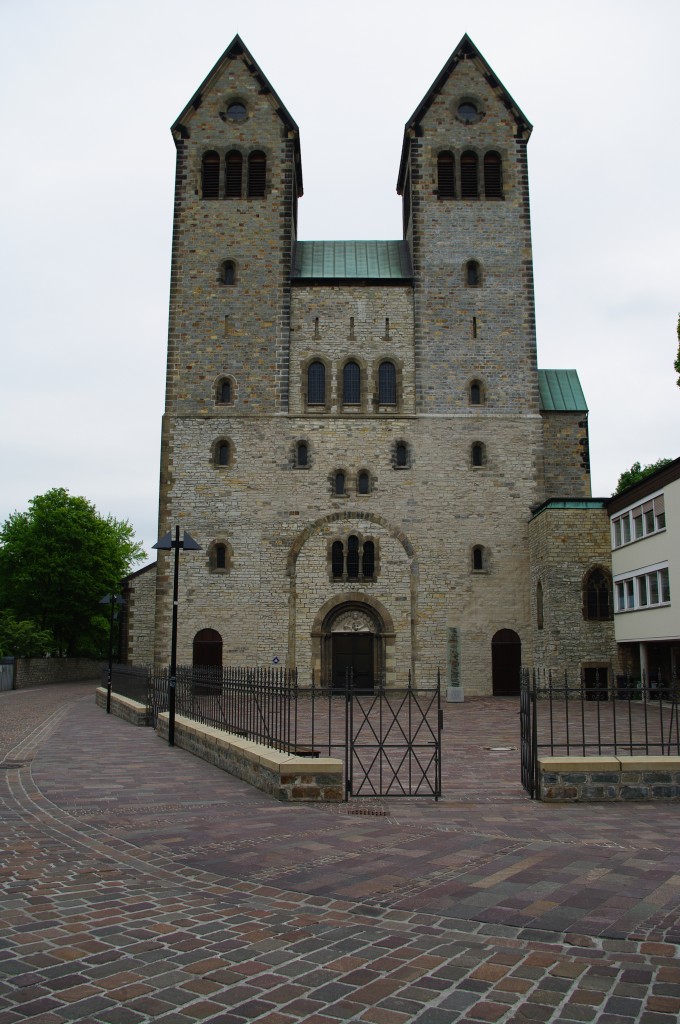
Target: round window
{"points": [[467, 111], [237, 111]]}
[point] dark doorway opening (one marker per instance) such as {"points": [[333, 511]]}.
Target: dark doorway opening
{"points": [[353, 659], [506, 663], [596, 683], [208, 648]]}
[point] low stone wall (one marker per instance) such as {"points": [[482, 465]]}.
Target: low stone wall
{"points": [[609, 777], [285, 776], [123, 707], [49, 671]]}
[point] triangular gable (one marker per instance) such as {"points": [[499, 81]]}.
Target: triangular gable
{"points": [[236, 49], [466, 49]]}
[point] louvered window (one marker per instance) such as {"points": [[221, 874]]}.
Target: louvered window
{"points": [[469, 188], [368, 562], [493, 176], [257, 174], [446, 178], [210, 175], [351, 384], [316, 383], [387, 384], [352, 558], [234, 175], [337, 559]]}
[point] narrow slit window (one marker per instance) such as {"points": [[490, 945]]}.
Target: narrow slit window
{"points": [[257, 174], [337, 560], [368, 565], [234, 175], [401, 455], [210, 175], [302, 454], [351, 384], [478, 559], [224, 392], [473, 275], [353, 558], [228, 272], [469, 186], [223, 453], [493, 176], [387, 384], [478, 454], [446, 179], [220, 556], [339, 482], [363, 482], [475, 393]]}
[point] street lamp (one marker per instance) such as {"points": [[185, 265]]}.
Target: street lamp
{"points": [[113, 600], [166, 543]]}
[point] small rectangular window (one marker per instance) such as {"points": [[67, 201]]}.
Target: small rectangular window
{"points": [[625, 526], [653, 588], [649, 520], [637, 523], [620, 598], [664, 580], [630, 594], [642, 591], [617, 533]]}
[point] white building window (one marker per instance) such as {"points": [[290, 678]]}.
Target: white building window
{"points": [[645, 590], [639, 521]]}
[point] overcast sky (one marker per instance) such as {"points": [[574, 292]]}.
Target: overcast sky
{"points": [[91, 87]]}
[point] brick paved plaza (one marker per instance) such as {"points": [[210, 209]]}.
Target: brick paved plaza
{"points": [[142, 884]]}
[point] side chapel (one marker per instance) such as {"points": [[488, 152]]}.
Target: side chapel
{"points": [[357, 433]]}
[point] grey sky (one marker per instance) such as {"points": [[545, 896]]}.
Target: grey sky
{"points": [[90, 89]]}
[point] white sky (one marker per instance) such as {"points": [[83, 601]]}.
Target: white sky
{"points": [[90, 88]]}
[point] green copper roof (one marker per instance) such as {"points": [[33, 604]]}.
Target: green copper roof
{"points": [[383, 261], [560, 391]]}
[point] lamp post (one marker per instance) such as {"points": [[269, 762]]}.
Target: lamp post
{"points": [[113, 600], [167, 543]]}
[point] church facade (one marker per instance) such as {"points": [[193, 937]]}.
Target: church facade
{"points": [[357, 433]]}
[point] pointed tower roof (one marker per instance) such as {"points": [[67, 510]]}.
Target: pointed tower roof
{"points": [[237, 48], [466, 50]]}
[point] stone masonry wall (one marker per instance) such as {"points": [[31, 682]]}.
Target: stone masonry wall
{"points": [[140, 609]]}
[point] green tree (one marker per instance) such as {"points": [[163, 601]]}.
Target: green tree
{"points": [[57, 561], [23, 639], [636, 473]]}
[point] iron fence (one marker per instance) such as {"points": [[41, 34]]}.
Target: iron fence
{"points": [[595, 715]]}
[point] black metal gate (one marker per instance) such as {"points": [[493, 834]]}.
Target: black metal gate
{"points": [[394, 742], [528, 737]]}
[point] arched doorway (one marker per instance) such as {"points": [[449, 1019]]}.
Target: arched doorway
{"points": [[208, 648], [353, 648], [506, 663]]}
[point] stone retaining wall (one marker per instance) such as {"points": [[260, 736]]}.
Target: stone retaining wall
{"points": [[286, 776], [607, 778], [123, 707], [46, 671]]}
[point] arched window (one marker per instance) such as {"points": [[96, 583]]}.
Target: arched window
{"points": [[401, 455], [353, 558], [368, 561], [478, 454], [597, 595], [493, 176], [302, 454], [539, 605], [234, 175], [478, 558], [337, 559], [224, 391], [469, 187], [316, 383], [257, 174], [339, 482], [228, 272], [473, 274], [387, 383], [222, 453], [220, 556], [446, 178], [363, 482], [351, 384], [207, 648], [475, 393], [210, 175]]}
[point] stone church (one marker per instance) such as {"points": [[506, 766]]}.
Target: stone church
{"points": [[357, 433]]}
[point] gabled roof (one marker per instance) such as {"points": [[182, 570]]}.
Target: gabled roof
{"points": [[364, 260], [237, 48], [466, 50], [560, 391]]}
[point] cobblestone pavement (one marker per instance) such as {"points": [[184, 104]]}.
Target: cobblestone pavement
{"points": [[142, 884]]}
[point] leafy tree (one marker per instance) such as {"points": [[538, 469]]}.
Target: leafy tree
{"points": [[636, 473], [57, 561], [23, 639]]}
